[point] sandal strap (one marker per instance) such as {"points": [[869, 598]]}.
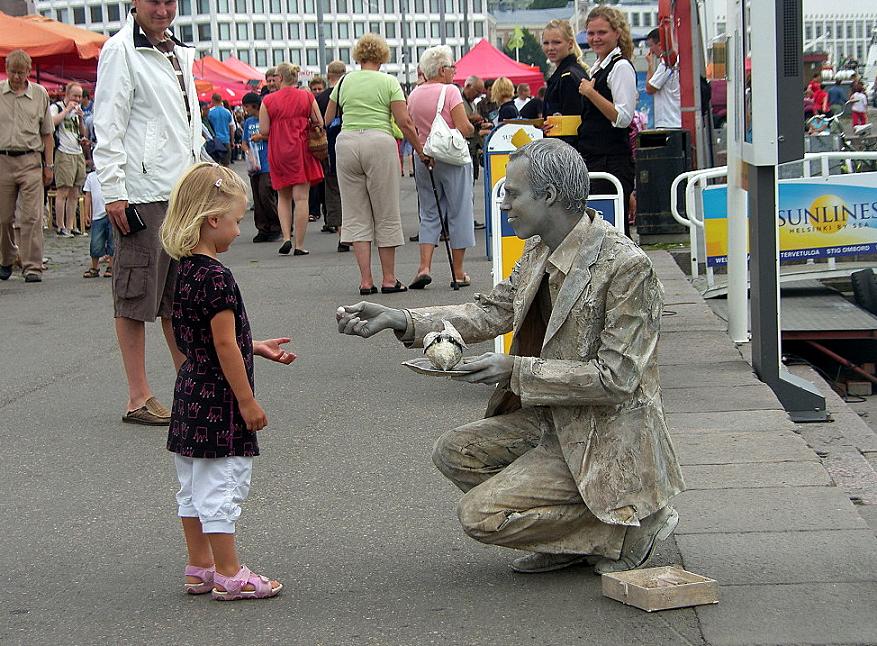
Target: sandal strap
{"points": [[205, 574], [234, 585]]}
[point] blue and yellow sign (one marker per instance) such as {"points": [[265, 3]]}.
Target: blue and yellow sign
{"points": [[817, 218]]}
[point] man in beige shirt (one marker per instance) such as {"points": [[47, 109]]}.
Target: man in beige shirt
{"points": [[26, 165]]}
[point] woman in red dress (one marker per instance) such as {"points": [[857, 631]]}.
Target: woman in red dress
{"points": [[284, 120]]}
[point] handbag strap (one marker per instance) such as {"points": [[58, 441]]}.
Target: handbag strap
{"points": [[441, 100], [338, 102]]}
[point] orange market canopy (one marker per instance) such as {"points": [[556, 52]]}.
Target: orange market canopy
{"points": [[43, 38], [487, 62]]}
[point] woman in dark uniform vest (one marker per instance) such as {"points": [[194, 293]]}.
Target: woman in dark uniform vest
{"points": [[562, 94], [610, 97]]}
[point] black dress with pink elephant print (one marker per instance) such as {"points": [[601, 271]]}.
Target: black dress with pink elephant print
{"points": [[206, 421]]}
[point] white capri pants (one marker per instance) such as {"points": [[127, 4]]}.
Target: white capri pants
{"points": [[212, 489]]}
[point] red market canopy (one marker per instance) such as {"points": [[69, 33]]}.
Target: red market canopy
{"points": [[239, 66], [211, 69], [88, 43], [487, 62], [231, 92]]}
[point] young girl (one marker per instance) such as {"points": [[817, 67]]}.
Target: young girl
{"points": [[215, 414]]}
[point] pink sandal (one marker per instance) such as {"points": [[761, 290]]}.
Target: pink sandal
{"points": [[205, 574], [234, 586]]}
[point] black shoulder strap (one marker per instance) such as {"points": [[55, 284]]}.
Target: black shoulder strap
{"points": [[340, 109]]}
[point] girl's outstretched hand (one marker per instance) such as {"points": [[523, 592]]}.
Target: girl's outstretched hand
{"points": [[254, 417], [270, 349]]}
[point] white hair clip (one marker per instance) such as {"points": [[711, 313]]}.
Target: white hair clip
{"points": [[218, 183]]}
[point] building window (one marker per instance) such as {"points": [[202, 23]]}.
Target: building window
{"points": [[186, 33], [244, 55], [240, 6], [479, 30], [222, 6], [61, 15], [340, 6], [420, 30], [277, 56], [808, 32], [390, 6], [343, 30], [451, 28], [634, 20], [292, 6], [449, 6], [243, 30], [277, 30], [204, 7], [224, 54], [224, 31], [259, 31], [434, 30], [258, 6], [374, 6], [204, 33], [374, 27], [261, 58], [433, 6], [344, 54], [476, 6], [420, 51], [78, 15], [310, 30], [358, 6], [276, 6], [96, 12], [294, 31], [311, 55], [647, 20], [390, 29], [184, 7], [358, 29], [849, 29], [309, 6]]}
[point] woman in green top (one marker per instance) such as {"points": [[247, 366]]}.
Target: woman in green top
{"points": [[368, 161]]}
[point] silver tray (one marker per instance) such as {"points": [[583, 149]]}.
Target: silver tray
{"points": [[423, 366]]}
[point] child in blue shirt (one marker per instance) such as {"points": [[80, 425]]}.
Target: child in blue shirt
{"points": [[256, 151]]}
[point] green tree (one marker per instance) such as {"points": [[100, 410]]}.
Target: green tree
{"points": [[530, 51]]}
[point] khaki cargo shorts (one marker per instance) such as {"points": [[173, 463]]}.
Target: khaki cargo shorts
{"points": [[144, 275], [69, 169]]}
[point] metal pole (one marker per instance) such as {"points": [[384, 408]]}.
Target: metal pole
{"points": [[465, 5], [443, 33], [738, 305], [405, 26], [321, 53]]}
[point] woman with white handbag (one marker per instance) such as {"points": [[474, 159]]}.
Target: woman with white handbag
{"points": [[437, 109]]}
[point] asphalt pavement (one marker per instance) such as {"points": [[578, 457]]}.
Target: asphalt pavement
{"points": [[346, 507]]}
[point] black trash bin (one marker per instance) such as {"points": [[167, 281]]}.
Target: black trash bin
{"points": [[662, 155]]}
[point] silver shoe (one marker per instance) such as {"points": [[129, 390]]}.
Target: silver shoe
{"points": [[542, 562], [639, 542]]}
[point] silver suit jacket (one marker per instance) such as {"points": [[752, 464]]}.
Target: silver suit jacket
{"points": [[596, 369]]}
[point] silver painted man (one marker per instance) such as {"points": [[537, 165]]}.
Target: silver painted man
{"points": [[573, 462]]}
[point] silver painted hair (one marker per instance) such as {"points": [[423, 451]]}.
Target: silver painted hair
{"points": [[432, 60], [556, 163]]}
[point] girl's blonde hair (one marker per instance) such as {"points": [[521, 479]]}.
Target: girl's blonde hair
{"points": [[503, 90], [618, 23], [565, 30], [288, 73], [205, 190]]}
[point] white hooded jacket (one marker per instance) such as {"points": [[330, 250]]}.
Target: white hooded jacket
{"points": [[144, 139]]}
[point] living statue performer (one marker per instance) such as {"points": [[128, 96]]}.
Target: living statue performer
{"points": [[573, 461]]}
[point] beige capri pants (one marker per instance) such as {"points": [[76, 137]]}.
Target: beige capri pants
{"points": [[368, 177]]}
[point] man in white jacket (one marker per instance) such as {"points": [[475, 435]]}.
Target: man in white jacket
{"points": [[148, 130]]}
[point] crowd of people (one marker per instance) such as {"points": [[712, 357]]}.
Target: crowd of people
{"points": [[163, 215], [823, 107]]}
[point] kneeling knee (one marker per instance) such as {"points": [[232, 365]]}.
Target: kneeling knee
{"points": [[472, 514]]}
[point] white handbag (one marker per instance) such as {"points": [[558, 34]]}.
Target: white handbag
{"points": [[446, 144]]}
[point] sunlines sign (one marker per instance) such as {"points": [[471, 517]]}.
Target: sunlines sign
{"points": [[817, 218]]}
